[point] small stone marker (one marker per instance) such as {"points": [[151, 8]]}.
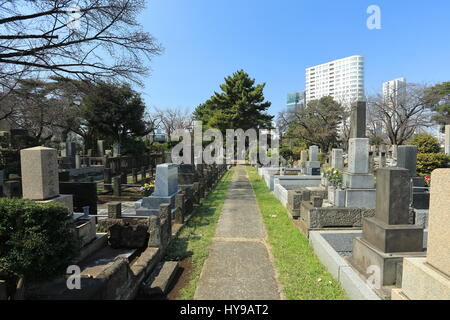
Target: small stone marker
{"points": [[114, 210]]}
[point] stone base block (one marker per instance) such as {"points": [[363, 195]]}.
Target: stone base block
{"points": [[358, 181], [333, 217], [365, 198], [422, 282], [66, 199], [368, 259], [421, 200], [86, 230], [150, 205], [393, 238], [313, 171], [313, 164]]}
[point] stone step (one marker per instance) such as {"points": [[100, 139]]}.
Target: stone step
{"points": [[161, 279]]}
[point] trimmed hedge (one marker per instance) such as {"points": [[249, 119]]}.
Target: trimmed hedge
{"points": [[427, 162], [37, 241]]}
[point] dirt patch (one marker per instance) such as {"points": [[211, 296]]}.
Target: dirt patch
{"points": [[183, 279]]}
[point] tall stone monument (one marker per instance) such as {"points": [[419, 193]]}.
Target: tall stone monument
{"points": [[358, 183], [388, 237], [429, 278]]}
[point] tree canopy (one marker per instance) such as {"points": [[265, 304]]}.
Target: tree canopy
{"points": [[241, 104], [116, 111], [316, 124]]}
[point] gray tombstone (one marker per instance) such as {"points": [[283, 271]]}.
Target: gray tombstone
{"points": [[358, 120], [407, 158], [337, 160]]}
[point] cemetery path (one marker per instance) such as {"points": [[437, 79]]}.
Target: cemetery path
{"points": [[239, 266]]}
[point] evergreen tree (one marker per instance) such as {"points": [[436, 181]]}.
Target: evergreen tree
{"points": [[241, 104]]}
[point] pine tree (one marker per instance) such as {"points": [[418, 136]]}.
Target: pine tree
{"points": [[241, 104]]}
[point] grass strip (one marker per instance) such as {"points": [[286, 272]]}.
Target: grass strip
{"points": [[301, 274], [196, 236]]}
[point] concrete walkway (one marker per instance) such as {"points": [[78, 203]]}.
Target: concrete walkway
{"points": [[239, 265]]}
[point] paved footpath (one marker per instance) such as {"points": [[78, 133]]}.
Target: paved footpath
{"points": [[238, 266]]}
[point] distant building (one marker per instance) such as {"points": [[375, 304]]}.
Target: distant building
{"points": [[394, 89], [296, 100], [159, 136], [341, 79]]}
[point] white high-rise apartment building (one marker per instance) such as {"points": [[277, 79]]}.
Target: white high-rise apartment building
{"points": [[394, 89], [342, 79]]}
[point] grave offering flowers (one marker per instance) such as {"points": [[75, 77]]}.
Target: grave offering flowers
{"points": [[147, 189], [428, 180], [334, 176]]}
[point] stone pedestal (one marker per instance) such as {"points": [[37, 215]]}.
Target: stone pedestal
{"points": [[65, 199], [421, 281], [388, 237]]}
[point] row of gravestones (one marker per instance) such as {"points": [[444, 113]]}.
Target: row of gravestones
{"points": [[156, 230]]}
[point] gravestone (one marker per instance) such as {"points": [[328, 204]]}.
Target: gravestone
{"points": [[83, 193], [357, 181], [407, 158], [101, 148], [337, 160], [313, 165], [116, 150], [388, 236], [358, 120], [166, 188], [39, 173], [40, 181], [429, 278]]}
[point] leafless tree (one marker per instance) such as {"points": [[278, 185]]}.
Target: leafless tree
{"points": [[171, 119], [84, 39], [399, 113]]}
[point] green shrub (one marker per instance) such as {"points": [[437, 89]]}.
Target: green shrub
{"points": [[427, 162], [334, 176], [37, 241], [426, 143]]}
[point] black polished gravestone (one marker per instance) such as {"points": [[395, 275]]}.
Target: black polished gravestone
{"points": [[84, 194], [389, 236]]}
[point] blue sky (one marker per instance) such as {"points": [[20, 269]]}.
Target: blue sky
{"points": [[274, 41]]}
